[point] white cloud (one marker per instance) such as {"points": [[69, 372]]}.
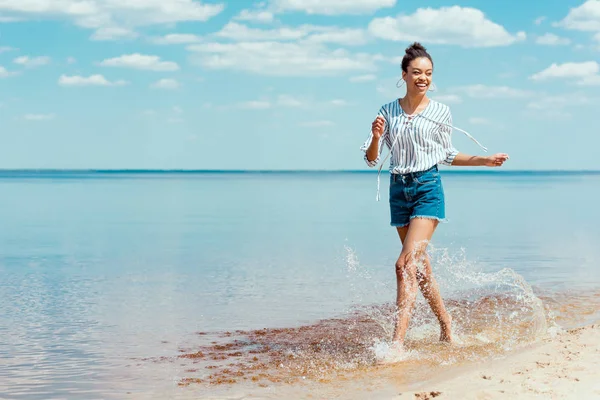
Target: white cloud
{"points": [[261, 16], [478, 121], [92, 80], [113, 33], [338, 102], [4, 73], [289, 101], [363, 78], [591, 80], [396, 60], [32, 62], [140, 61], [177, 38], [312, 33], [558, 103], [38, 117], [71, 60], [176, 115], [4, 49], [462, 26], [539, 20], [95, 14], [585, 71], [318, 124], [169, 84], [348, 37], [332, 7], [550, 39], [280, 59], [256, 105], [480, 91], [282, 100], [448, 98], [585, 17], [236, 31]]}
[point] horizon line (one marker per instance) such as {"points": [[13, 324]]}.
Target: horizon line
{"points": [[240, 171]]}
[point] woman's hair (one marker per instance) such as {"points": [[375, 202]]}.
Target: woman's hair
{"points": [[415, 50]]}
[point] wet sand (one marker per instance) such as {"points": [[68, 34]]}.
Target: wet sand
{"points": [[562, 367], [338, 358], [565, 367]]}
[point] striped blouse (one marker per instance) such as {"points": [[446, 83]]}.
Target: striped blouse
{"points": [[417, 142]]}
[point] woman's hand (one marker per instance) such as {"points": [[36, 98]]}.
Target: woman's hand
{"points": [[496, 160], [378, 127]]}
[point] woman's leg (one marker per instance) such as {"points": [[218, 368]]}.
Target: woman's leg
{"points": [[431, 292], [413, 268]]}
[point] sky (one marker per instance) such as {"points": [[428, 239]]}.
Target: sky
{"points": [[288, 84]]}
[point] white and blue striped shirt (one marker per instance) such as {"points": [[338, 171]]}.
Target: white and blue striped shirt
{"points": [[417, 142]]}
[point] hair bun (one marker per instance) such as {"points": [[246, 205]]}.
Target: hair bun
{"points": [[416, 46], [415, 50]]}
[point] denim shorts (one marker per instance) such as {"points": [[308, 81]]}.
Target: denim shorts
{"points": [[416, 195]]}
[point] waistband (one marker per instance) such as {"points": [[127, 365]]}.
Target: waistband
{"points": [[411, 175]]}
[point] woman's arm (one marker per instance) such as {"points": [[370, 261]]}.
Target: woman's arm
{"points": [[456, 158], [496, 160], [373, 152], [374, 143]]}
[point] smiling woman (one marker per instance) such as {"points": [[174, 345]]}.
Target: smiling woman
{"points": [[417, 131]]}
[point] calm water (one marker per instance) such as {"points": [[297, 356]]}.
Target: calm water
{"points": [[101, 273]]}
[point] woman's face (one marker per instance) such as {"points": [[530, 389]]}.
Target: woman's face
{"points": [[418, 75]]}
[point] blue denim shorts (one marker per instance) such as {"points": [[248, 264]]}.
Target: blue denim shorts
{"points": [[416, 195]]}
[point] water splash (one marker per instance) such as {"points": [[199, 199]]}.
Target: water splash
{"points": [[492, 312], [388, 353]]}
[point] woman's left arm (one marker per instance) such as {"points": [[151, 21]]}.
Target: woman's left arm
{"points": [[496, 160], [456, 158]]}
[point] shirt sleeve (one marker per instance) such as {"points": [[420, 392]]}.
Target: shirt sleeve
{"points": [[450, 151], [382, 112]]}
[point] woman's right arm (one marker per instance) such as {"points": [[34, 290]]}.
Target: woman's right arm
{"points": [[372, 153], [373, 146]]}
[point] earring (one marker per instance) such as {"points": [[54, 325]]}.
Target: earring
{"points": [[400, 83], [432, 87]]}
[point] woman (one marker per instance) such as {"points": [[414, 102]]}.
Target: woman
{"points": [[417, 131]]}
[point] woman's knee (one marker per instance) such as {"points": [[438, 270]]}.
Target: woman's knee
{"points": [[404, 267]]}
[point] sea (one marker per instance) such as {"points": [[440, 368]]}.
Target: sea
{"points": [[271, 285]]}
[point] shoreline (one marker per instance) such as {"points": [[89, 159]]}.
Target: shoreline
{"points": [[563, 367], [543, 368]]}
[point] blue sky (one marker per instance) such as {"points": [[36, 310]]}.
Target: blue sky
{"points": [[288, 84]]}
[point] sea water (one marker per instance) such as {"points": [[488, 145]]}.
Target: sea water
{"points": [[233, 285]]}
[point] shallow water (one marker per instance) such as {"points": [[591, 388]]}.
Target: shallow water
{"points": [[107, 279]]}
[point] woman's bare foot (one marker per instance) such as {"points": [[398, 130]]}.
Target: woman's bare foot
{"points": [[397, 345], [393, 354], [446, 331], [446, 336]]}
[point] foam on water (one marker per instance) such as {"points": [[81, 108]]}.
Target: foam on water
{"points": [[388, 353]]}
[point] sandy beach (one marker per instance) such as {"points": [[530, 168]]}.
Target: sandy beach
{"points": [[564, 367]]}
